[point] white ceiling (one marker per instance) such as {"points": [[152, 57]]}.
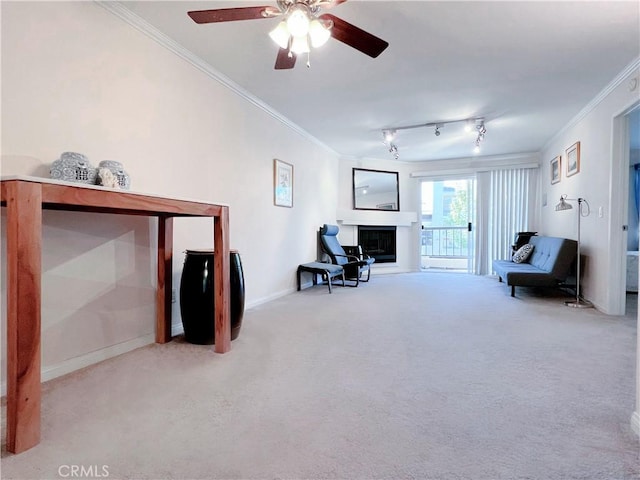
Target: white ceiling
{"points": [[527, 67]]}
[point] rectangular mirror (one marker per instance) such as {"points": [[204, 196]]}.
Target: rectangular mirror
{"points": [[375, 190]]}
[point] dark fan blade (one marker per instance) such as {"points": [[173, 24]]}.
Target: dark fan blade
{"points": [[355, 37], [232, 14], [284, 61]]}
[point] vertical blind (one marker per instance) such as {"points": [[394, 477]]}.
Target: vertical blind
{"points": [[505, 206]]}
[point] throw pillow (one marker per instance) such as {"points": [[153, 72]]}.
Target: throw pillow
{"points": [[523, 253]]}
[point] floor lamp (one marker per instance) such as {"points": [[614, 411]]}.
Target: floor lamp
{"points": [[564, 205]]}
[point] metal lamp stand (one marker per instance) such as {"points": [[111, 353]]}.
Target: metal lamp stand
{"points": [[579, 302]]}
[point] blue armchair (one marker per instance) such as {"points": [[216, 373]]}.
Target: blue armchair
{"points": [[354, 261]]}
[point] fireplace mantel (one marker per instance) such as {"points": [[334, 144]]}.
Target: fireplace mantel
{"points": [[376, 217]]}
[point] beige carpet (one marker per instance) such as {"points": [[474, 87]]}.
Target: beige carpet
{"points": [[412, 376]]}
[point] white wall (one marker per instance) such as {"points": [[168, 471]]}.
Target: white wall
{"points": [[77, 78], [596, 182]]}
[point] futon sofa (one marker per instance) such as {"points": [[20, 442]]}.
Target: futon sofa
{"points": [[548, 265]]}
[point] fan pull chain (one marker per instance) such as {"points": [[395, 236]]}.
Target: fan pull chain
{"points": [[308, 59]]}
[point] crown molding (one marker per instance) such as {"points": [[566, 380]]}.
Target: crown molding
{"points": [[122, 12], [615, 83]]}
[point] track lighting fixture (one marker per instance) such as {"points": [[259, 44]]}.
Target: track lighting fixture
{"points": [[390, 134]]}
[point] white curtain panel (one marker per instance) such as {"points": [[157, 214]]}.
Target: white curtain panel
{"points": [[505, 206]]}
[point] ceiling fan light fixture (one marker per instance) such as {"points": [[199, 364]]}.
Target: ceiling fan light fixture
{"points": [[318, 33], [280, 35], [298, 22], [301, 23]]}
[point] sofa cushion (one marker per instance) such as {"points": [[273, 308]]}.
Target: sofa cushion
{"points": [[553, 255], [523, 274], [523, 253]]}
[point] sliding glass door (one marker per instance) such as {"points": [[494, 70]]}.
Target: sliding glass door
{"points": [[447, 213]]}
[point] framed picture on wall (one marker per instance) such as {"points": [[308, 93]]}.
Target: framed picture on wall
{"points": [[555, 169], [573, 159], [282, 183]]}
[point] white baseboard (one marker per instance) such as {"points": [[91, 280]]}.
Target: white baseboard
{"points": [[635, 423], [91, 358], [272, 297]]}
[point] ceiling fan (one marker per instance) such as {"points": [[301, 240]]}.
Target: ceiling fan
{"points": [[301, 28]]}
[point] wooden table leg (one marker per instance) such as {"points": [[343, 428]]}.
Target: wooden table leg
{"points": [[24, 240], [165, 279], [221, 282]]}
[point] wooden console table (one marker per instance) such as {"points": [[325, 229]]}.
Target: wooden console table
{"points": [[25, 198]]}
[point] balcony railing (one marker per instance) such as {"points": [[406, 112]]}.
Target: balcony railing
{"points": [[445, 242]]}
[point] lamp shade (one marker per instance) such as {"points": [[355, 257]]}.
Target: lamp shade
{"points": [[318, 33], [300, 45], [280, 35], [563, 205], [298, 22]]}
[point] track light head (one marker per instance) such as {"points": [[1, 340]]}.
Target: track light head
{"points": [[388, 135], [467, 125], [394, 151], [481, 131]]}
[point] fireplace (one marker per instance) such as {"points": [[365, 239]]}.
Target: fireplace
{"points": [[378, 242]]}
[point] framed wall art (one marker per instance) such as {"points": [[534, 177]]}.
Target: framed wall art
{"points": [[282, 183], [573, 159], [556, 169]]}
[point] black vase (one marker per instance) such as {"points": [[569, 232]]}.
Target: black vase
{"points": [[236, 284], [197, 306]]}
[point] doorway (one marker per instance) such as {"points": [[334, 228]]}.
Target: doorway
{"points": [[623, 256], [446, 217], [633, 240]]}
